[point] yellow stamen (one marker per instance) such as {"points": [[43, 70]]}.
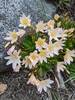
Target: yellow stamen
{"points": [[24, 21], [53, 34], [14, 35], [40, 42], [43, 53]]}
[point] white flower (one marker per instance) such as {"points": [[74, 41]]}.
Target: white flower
{"points": [[12, 37], [53, 48], [27, 62], [55, 33], [61, 67], [31, 60], [68, 56], [41, 85], [40, 43], [14, 59], [50, 49], [40, 27], [50, 24], [58, 46], [20, 33], [25, 21], [56, 17], [43, 56], [34, 58], [32, 80], [44, 84]]}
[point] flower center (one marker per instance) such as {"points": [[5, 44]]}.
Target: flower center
{"points": [[24, 21], [50, 47], [33, 57], [53, 34], [40, 42], [14, 35], [43, 53]]}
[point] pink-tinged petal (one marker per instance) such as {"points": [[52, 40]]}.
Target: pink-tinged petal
{"points": [[17, 68], [11, 50]]}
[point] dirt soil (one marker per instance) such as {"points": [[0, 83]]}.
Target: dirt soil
{"points": [[19, 90], [17, 87]]}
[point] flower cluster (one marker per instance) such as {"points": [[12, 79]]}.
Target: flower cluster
{"points": [[50, 43]]}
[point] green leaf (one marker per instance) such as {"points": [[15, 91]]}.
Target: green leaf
{"points": [[67, 23], [44, 68], [55, 95], [70, 43], [27, 46], [71, 68]]}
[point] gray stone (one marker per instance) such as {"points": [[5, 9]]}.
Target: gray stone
{"points": [[11, 10], [18, 89]]}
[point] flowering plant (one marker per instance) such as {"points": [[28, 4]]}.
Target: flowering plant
{"points": [[41, 48]]}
